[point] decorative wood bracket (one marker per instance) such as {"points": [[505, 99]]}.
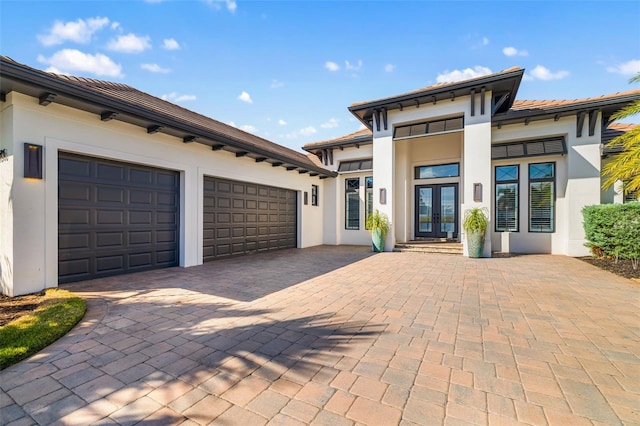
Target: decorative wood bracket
{"points": [[580, 123], [593, 118]]}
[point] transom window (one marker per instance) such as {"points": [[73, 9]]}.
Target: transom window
{"points": [[354, 166], [529, 148], [429, 127], [542, 202], [507, 195], [437, 171]]}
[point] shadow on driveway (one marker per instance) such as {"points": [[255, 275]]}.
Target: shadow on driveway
{"points": [[244, 278]]}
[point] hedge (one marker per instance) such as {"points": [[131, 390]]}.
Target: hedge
{"points": [[613, 230]]}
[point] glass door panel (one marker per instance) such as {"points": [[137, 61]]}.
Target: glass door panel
{"points": [[447, 209], [436, 214], [425, 210]]}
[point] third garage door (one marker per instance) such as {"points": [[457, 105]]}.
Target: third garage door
{"points": [[242, 218]]}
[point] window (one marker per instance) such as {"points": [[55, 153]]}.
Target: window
{"points": [[368, 196], [507, 183], [529, 148], [314, 195], [429, 127], [352, 203], [437, 171], [354, 166], [542, 182]]}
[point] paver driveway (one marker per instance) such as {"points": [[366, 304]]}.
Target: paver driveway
{"points": [[335, 335]]}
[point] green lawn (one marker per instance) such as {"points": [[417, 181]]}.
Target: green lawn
{"points": [[52, 319]]}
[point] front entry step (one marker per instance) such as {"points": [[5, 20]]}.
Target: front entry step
{"points": [[442, 247]]}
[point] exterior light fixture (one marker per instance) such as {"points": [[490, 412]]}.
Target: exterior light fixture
{"points": [[32, 161], [383, 195], [477, 192]]}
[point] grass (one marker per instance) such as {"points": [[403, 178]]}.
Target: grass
{"points": [[52, 319]]}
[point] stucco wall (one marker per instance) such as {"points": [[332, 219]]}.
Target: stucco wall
{"points": [[577, 185], [56, 127]]}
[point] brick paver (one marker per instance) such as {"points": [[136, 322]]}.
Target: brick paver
{"points": [[336, 335]]}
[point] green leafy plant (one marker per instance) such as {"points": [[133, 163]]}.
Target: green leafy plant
{"points": [[476, 220], [613, 230], [378, 221]]}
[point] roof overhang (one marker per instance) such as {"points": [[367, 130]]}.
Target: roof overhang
{"points": [[355, 142], [47, 88], [504, 87], [607, 106]]}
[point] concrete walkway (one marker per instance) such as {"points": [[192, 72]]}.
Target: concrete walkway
{"points": [[336, 335]]}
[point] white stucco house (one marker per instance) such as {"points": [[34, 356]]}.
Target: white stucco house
{"points": [[99, 179]]}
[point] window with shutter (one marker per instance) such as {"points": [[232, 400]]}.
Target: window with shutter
{"points": [[542, 197], [507, 195]]}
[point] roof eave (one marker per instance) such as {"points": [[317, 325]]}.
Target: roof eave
{"points": [[357, 142], [607, 106], [437, 94], [42, 81]]}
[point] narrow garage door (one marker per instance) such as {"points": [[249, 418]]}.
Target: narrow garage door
{"points": [[242, 218], [114, 218]]}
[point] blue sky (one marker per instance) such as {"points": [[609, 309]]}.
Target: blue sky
{"points": [[287, 71]]}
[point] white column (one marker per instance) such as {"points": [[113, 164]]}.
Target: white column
{"points": [[383, 181], [476, 166]]}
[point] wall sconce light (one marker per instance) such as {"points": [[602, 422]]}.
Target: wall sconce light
{"points": [[477, 192], [383, 195], [32, 161], [306, 198]]}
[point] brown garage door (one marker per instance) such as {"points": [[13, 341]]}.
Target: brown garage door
{"points": [[242, 218], [114, 218]]}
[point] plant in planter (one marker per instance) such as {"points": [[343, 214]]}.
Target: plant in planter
{"points": [[378, 225], [475, 224]]}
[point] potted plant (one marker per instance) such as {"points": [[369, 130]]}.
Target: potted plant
{"points": [[475, 224], [378, 225]]}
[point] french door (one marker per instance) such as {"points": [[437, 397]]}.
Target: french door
{"points": [[437, 211]]}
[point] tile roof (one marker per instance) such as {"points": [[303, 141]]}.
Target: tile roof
{"points": [[442, 85], [137, 98], [360, 134], [522, 105]]}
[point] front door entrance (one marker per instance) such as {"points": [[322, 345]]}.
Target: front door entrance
{"points": [[437, 211]]}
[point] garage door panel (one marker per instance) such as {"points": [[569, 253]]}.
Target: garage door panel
{"points": [[74, 241], [131, 224], [109, 239], [71, 216], [238, 208]]}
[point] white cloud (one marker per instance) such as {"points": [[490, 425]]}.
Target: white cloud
{"points": [[351, 67], [115, 26], [282, 122], [485, 41], [512, 51], [465, 74], [170, 44], [304, 132], [331, 66], [217, 4], [631, 67], [389, 68], [79, 31], [543, 73], [174, 97], [73, 61], [155, 68], [275, 84], [330, 124], [245, 97], [129, 43]]}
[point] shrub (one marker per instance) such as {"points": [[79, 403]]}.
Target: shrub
{"points": [[613, 230]]}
